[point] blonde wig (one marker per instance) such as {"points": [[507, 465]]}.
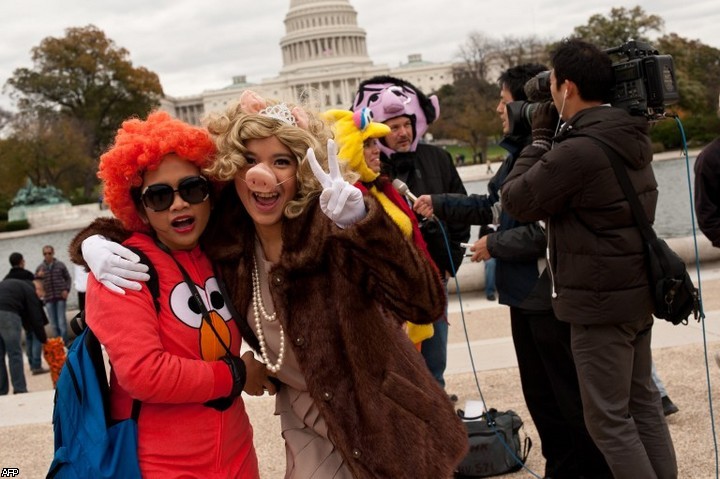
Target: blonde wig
{"points": [[236, 126]]}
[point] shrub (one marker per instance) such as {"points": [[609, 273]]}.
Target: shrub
{"points": [[14, 225]]}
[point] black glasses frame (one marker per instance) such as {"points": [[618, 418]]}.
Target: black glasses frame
{"points": [[160, 196]]}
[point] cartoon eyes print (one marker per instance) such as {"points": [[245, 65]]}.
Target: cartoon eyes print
{"points": [[185, 308], [400, 92]]}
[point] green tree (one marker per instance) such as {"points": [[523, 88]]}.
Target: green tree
{"points": [[468, 113], [620, 26], [90, 82], [697, 68]]}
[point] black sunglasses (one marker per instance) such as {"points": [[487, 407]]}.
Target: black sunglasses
{"points": [[160, 197]]}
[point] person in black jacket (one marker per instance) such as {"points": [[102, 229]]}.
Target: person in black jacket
{"points": [[542, 343], [17, 268], [707, 191], [33, 347], [19, 305], [426, 169], [596, 256]]}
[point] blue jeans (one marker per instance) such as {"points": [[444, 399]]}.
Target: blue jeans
{"points": [[658, 382], [33, 349], [434, 349], [10, 328], [490, 277], [58, 317]]}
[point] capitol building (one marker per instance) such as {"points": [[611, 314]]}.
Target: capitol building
{"points": [[324, 55]]}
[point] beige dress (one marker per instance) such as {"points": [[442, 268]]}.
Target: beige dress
{"points": [[309, 452]]}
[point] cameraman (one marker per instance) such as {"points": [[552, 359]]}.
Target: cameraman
{"points": [[542, 343], [597, 256]]}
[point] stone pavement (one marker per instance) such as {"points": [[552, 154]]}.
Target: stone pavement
{"points": [[26, 431]]}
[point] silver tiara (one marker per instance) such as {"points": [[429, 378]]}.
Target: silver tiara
{"points": [[280, 112]]}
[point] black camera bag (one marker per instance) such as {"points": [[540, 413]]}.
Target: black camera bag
{"points": [[674, 295], [495, 445]]}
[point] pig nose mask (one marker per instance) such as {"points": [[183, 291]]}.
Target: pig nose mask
{"points": [[261, 179]]}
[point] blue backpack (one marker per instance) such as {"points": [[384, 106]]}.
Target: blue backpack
{"points": [[88, 442]]}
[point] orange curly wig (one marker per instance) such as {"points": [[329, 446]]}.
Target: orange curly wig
{"points": [[140, 146]]}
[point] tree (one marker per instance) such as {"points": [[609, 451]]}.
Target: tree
{"points": [[88, 81], [468, 106], [5, 118], [620, 26], [468, 113], [697, 68]]}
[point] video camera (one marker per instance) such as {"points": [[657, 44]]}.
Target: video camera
{"points": [[644, 81], [644, 85]]}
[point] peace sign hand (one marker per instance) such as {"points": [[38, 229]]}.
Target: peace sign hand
{"points": [[339, 200]]}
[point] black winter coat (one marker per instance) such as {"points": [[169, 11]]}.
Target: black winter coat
{"points": [[707, 191], [430, 170], [597, 255]]}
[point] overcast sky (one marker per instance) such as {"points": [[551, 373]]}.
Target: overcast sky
{"points": [[196, 45]]}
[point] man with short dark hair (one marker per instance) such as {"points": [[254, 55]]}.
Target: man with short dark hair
{"points": [[19, 306], [17, 268], [597, 259], [33, 347], [542, 343]]}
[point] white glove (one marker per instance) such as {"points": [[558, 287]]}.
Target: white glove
{"points": [[339, 200], [113, 264]]}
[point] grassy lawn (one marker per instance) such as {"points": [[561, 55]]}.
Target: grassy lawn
{"points": [[494, 152]]}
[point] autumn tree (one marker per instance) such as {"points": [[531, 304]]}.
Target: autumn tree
{"points": [[468, 106], [90, 84]]}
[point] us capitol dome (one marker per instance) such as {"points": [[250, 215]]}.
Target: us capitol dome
{"points": [[324, 54]]}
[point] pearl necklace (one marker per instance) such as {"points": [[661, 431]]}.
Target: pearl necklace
{"points": [[260, 312]]}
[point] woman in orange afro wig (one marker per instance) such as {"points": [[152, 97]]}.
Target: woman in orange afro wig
{"points": [[141, 146], [183, 365]]}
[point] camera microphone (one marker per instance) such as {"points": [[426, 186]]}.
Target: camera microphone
{"points": [[403, 189]]}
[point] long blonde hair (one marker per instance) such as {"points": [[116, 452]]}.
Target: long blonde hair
{"points": [[233, 128]]}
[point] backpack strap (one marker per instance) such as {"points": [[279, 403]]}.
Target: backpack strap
{"points": [[621, 174], [153, 283]]}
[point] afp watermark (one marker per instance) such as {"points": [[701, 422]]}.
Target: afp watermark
{"points": [[9, 472]]}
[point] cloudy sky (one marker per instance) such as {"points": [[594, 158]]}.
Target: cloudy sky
{"points": [[198, 45]]}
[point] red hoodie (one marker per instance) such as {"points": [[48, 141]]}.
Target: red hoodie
{"points": [[168, 360]]}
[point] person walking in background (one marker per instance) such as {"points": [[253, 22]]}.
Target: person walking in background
{"points": [[542, 343], [56, 283], [20, 306], [596, 256], [425, 169], [33, 346]]}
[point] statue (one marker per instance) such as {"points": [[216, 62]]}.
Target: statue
{"points": [[31, 195]]}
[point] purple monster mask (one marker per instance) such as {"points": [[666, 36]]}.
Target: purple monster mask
{"points": [[389, 97]]}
